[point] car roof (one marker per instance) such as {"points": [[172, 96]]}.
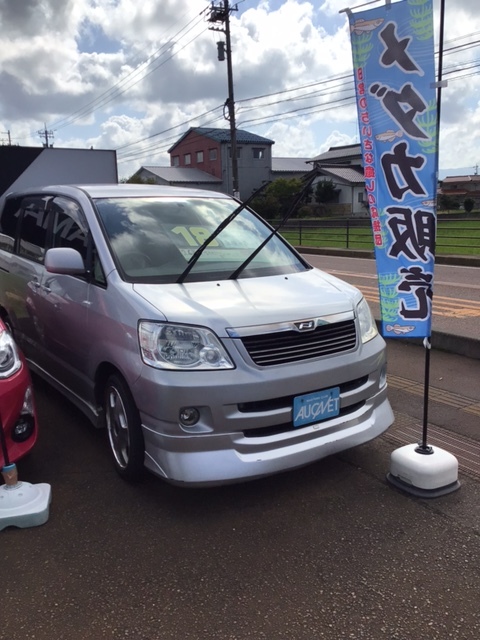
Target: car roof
{"points": [[122, 190]]}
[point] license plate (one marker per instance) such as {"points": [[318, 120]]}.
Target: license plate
{"points": [[317, 406]]}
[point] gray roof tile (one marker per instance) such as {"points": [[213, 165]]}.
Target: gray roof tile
{"points": [[182, 174], [223, 135], [291, 165], [349, 174], [340, 153]]}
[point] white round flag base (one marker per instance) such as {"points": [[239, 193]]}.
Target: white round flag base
{"points": [[24, 504], [426, 473]]}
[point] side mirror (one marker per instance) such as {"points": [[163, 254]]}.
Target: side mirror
{"points": [[64, 260]]}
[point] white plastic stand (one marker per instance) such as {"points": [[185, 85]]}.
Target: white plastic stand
{"points": [[425, 472], [23, 504]]}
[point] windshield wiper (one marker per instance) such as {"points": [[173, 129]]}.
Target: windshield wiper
{"points": [[300, 195], [194, 258]]}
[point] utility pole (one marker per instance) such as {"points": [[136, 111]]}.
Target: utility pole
{"points": [[7, 133], [45, 134], [221, 14]]}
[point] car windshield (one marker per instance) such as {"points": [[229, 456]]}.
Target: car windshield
{"points": [[152, 239]]}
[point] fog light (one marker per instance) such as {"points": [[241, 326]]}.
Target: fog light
{"points": [[27, 407], [189, 416], [23, 429]]}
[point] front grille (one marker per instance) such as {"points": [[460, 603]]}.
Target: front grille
{"points": [[267, 350]]}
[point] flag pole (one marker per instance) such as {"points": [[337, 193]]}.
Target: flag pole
{"points": [[423, 446], [434, 472]]}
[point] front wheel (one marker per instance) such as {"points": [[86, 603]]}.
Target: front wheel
{"points": [[124, 429]]}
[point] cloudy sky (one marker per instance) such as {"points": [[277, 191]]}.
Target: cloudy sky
{"points": [[134, 76]]}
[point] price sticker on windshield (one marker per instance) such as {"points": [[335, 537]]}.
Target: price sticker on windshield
{"points": [[194, 236], [315, 407]]}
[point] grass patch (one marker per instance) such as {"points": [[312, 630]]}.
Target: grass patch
{"points": [[457, 237]]}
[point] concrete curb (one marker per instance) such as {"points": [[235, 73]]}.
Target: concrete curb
{"points": [[459, 345], [461, 261]]}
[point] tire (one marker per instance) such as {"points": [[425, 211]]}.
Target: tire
{"points": [[124, 429]]}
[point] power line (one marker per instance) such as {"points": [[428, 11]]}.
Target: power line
{"points": [[247, 104], [177, 126], [196, 118], [115, 90], [119, 92], [6, 133], [46, 134], [313, 108], [164, 143], [347, 85]]}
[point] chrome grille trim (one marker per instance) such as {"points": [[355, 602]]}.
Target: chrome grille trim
{"points": [[284, 347], [279, 327]]}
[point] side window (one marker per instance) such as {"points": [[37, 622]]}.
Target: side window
{"points": [[68, 229], [98, 272], [33, 229], [9, 223]]}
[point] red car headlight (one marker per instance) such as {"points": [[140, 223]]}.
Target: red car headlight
{"points": [[10, 361]]}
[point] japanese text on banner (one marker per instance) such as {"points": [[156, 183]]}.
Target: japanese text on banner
{"points": [[394, 70]]}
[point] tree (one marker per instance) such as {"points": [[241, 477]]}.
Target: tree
{"points": [[468, 204], [325, 192], [276, 200], [137, 179], [448, 202]]}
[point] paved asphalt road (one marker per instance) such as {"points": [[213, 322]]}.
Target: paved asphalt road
{"points": [[456, 295], [330, 551]]}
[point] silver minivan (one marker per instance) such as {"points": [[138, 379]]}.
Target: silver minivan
{"points": [[210, 349]]}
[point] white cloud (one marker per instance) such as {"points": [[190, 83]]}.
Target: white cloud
{"points": [[109, 73]]}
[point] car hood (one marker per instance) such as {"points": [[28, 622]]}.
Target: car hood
{"points": [[251, 301]]}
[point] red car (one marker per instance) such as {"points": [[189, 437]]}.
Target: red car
{"points": [[17, 408]]}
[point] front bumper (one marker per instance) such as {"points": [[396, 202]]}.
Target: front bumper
{"points": [[12, 395], [210, 460], [245, 429]]}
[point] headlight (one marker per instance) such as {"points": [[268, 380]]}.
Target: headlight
{"points": [[10, 361], [368, 328], [178, 346]]}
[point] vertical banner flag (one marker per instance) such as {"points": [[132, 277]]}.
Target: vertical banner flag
{"points": [[394, 71]]}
